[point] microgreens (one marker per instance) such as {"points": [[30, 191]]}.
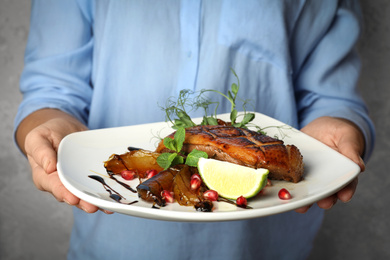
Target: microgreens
{"points": [[177, 111]]}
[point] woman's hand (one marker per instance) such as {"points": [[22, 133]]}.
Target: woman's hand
{"points": [[39, 136], [344, 137]]}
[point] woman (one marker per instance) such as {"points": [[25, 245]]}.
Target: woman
{"points": [[103, 64]]}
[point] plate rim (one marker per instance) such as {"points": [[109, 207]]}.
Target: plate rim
{"points": [[185, 216]]}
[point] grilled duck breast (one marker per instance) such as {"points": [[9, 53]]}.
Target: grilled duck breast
{"points": [[244, 147]]}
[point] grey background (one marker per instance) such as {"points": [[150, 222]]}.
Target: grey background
{"points": [[33, 225]]}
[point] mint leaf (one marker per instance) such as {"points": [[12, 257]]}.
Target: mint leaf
{"points": [[177, 160], [169, 143], [193, 157], [179, 138], [165, 160]]}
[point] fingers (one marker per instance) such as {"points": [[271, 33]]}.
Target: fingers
{"points": [[303, 209], [50, 182], [346, 194], [326, 203]]}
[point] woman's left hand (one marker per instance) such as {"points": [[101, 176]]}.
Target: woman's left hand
{"points": [[344, 137]]}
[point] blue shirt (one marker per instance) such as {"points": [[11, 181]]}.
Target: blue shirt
{"points": [[112, 63]]}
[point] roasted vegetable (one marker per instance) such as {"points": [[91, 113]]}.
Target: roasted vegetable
{"points": [[151, 189], [138, 160], [176, 179]]}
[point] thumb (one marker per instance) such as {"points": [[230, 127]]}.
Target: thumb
{"points": [[349, 147], [40, 149]]}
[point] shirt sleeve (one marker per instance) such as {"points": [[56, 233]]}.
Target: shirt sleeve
{"points": [[326, 81], [57, 60]]}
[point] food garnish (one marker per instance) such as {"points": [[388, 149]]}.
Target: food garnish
{"points": [[242, 202], [177, 112], [211, 195], [168, 159], [128, 175], [232, 180], [284, 194]]}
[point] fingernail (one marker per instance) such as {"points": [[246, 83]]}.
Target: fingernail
{"points": [[362, 164], [106, 211], [45, 164], [67, 202], [84, 209]]}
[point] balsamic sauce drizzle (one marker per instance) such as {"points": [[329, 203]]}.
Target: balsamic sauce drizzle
{"points": [[220, 199], [113, 194], [121, 183]]}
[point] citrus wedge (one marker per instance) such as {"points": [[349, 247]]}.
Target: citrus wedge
{"points": [[231, 180]]}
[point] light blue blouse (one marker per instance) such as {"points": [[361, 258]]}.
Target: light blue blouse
{"points": [[113, 63]]}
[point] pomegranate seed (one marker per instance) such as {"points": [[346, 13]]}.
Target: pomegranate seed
{"points": [[241, 202], [167, 196], [284, 194], [150, 173], [128, 174], [269, 183], [195, 183], [196, 176], [211, 195]]}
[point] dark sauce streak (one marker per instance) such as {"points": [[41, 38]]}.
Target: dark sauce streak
{"points": [[220, 199], [130, 148], [105, 185], [113, 194], [154, 206], [115, 197], [121, 183]]}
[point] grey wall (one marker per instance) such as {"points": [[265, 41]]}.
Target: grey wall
{"points": [[34, 226]]}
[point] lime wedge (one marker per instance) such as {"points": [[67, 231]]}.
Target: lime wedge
{"points": [[232, 180]]}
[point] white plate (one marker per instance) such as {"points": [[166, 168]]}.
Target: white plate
{"points": [[82, 154]]}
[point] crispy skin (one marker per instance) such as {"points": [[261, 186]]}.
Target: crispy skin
{"points": [[244, 147]]}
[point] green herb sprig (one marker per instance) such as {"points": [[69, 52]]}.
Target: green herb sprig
{"points": [[166, 160], [177, 111]]}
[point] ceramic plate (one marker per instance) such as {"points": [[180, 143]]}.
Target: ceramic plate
{"points": [[82, 154]]}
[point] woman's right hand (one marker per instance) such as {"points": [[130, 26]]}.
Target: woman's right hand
{"points": [[39, 136]]}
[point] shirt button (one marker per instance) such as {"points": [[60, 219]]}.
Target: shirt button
{"points": [[189, 54]]}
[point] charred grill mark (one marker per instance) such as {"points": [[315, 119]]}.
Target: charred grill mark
{"points": [[238, 141], [226, 131], [263, 139]]}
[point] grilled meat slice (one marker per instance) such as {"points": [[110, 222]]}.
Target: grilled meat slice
{"points": [[244, 147]]}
